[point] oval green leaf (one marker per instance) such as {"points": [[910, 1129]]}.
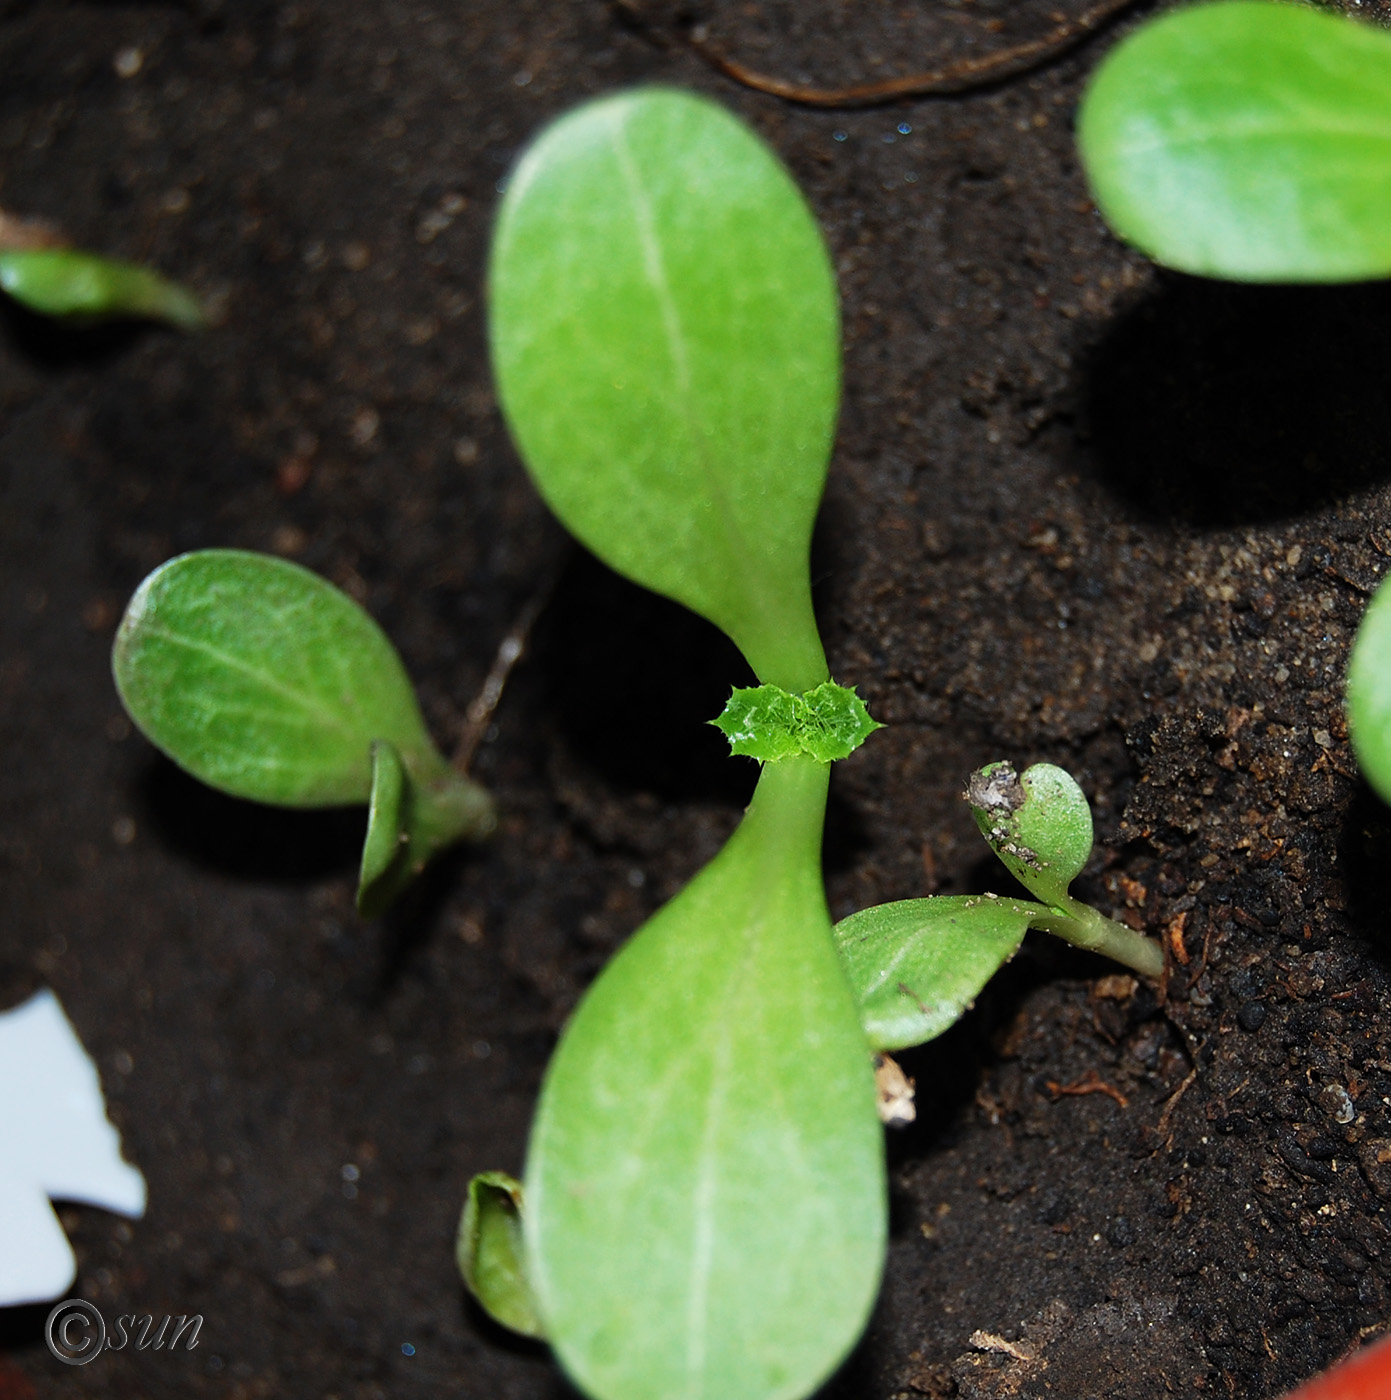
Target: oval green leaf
{"points": [[1038, 823], [491, 1255], [68, 282], [1247, 140], [916, 965], [705, 1182], [665, 336], [266, 681], [1369, 693]]}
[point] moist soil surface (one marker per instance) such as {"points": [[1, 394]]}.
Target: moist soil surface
{"points": [[1080, 511]]}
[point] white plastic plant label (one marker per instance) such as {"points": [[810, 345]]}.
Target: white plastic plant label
{"points": [[56, 1143]]}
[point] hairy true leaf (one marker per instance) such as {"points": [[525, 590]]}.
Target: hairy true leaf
{"points": [[1369, 693], [71, 283], [1247, 140], [665, 336], [1038, 823], [765, 722], [916, 965], [705, 1182], [264, 680], [491, 1254]]}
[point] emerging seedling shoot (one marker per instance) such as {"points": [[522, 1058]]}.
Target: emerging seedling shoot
{"points": [[916, 965], [42, 272]]}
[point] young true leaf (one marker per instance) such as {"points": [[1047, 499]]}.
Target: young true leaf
{"points": [[916, 966], [665, 337], [1040, 824], [1369, 693], [1247, 140], [81, 286], [705, 1182], [766, 723], [491, 1255], [762, 722]]}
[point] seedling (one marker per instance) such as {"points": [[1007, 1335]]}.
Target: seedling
{"points": [[705, 1197], [1247, 140], [39, 270], [916, 965], [265, 681], [490, 1252]]}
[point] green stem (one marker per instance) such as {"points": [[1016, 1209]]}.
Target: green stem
{"points": [[788, 811], [450, 808], [779, 639], [1082, 926]]}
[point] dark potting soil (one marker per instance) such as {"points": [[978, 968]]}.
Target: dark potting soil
{"points": [[1080, 511]]}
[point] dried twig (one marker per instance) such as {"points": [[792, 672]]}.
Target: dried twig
{"points": [[513, 645], [991, 1341], [1162, 1126], [965, 73], [1090, 1083]]}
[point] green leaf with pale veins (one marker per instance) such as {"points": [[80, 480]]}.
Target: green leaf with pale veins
{"points": [[916, 965], [705, 1191], [73, 284], [491, 1254], [761, 722], [766, 723], [1247, 140], [665, 336], [264, 680]]}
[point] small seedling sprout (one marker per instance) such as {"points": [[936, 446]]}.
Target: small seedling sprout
{"points": [[40, 271], [704, 1210], [705, 1194], [265, 681], [917, 964]]}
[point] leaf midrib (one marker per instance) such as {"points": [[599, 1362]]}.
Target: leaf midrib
{"points": [[654, 265], [724, 1072], [237, 664]]}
